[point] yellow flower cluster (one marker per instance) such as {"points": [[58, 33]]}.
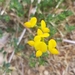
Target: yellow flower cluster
{"points": [[38, 42]]}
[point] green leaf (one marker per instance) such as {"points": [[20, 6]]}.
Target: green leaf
{"points": [[41, 61], [52, 31], [1, 33], [5, 18], [49, 17], [19, 48], [70, 28], [32, 63], [1, 0], [60, 17], [51, 3], [1, 50], [45, 54], [4, 53], [10, 30], [17, 6], [6, 67]]}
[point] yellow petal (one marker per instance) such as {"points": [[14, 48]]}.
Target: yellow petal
{"points": [[46, 30], [27, 24], [43, 24], [51, 44], [54, 51], [41, 46], [45, 35], [36, 44], [31, 43], [37, 38], [43, 27], [39, 32], [38, 53], [33, 21]]}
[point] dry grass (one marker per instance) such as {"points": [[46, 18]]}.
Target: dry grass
{"points": [[62, 64]]}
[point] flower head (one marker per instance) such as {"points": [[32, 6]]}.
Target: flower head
{"points": [[41, 34], [38, 42], [38, 53], [40, 46], [51, 47], [31, 23], [52, 43], [31, 42], [36, 39], [43, 27], [54, 51]]}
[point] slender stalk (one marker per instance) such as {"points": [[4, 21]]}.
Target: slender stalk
{"points": [[69, 41]]}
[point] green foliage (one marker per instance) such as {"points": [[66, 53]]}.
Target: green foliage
{"points": [[10, 30], [48, 3], [1, 2], [15, 4], [6, 18], [41, 61], [53, 30], [32, 63], [14, 43], [19, 47], [57, 19], [49, 17], [4, 53], [1, 50], [32, 60], [40, 16], [27, 1], [45, 54], [6, 67], [60, 17], [70, 28], [1, 33]]}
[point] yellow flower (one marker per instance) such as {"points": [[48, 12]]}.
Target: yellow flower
{"points": [[54, 51], [31, 23], [38, 53], [52, 43], [43, 27], [41, 34], [51, 47], [32, 42], [40, 46], [37, 38]]}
